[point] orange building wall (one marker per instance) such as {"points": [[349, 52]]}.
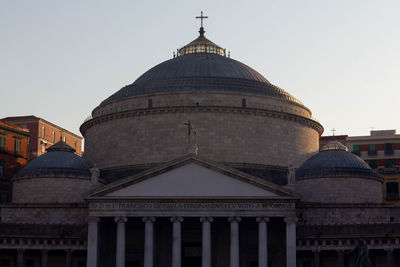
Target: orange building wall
{"points": [[12, 161], [39, 143]]}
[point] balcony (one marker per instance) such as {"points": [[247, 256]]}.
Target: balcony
{"points": [[389, 152], [372, 152], [356, 152]]}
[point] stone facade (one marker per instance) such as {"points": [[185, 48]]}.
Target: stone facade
{"points": [[159, 135], [356, 214], [49, 214], [189, 99], [236, 202], [340, 190], [50, 189]]}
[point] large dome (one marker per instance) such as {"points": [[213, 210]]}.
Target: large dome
{"points": [[240, 118], [201, 72]]}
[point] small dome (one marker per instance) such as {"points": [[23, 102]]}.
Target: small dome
{"points": [[335, 175], [334, 160], [202, 45], [60, 159], [334, 145]]}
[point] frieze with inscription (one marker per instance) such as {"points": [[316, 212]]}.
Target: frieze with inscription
{"points": [[140, 206]]}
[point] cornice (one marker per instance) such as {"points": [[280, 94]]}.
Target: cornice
{"points": [[341, 175], [214, 109]]}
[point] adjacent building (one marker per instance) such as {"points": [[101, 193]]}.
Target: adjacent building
{"points": [[44, 134], [381, 150], [14, 142]]}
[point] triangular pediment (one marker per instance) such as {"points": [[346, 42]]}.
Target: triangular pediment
{"points": [[194, 178]]}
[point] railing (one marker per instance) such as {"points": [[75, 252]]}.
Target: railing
{"points": [[389, 152], [372, 152], [392, 196], [356, 152]]}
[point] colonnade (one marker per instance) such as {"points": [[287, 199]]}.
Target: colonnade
{"points": [[43, 258], [92, 254]]}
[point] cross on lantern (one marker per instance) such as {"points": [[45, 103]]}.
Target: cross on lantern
{"points": [[201, 17], [333, 132]]}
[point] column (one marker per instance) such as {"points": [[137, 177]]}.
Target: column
{"points": [[262, 241], [120, 255], [340, 258], [316, 258], [234, 250], [149, 241], [68, 258], [206, 241], [389, 257], [43, 259], [176, 241], [92, 250], [290, 241], [20, 258]]}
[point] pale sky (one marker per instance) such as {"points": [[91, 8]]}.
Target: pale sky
{"points": [[60, 59]]}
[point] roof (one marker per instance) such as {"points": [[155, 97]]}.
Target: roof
{"points": [[14, 128], [334, 160], [32, 118], [185, 160], [201, 72], [201, 44], [60, 159]]}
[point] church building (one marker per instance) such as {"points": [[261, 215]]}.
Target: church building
{"points": [[211, 166]]}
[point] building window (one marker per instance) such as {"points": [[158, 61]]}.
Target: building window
{"points": [[54, 136], [244, 102], [2, 143], [17, 147], [43, 132], [65, 139], [150, 103], [75, 145], [372, 150], [389, 163], [2, 168], [372, 163], [3, 195], [392, 190], [388, 149], [356, 150]]}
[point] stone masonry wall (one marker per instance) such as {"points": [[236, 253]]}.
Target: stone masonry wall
{"points": [[203, 99], [223, 136], [50, 190], [342, 215], [43, 215], [340, 190]]}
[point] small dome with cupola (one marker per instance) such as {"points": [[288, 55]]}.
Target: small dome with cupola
{"points": [[335, 175], [58, 176]]}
